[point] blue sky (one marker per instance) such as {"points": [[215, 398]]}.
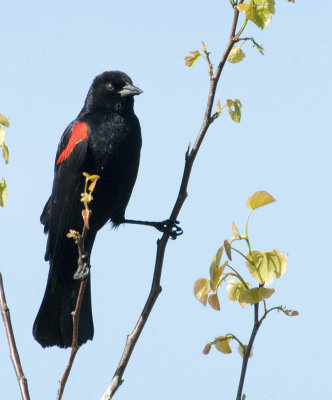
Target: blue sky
{"points": [[50, 54]]}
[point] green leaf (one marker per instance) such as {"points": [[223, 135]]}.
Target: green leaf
{"points": [[228, 249], [236, 55], [207, 348], [190, 60], [2, 136], [202, 289], [4, 121], [234, 289], [258, 11], [234, 109], [242, 348], [5, 153], [217, 274], [214, 302], [222, 344], [259, 199], [235, 231], [3, 192], [215, 261], [255, 295], [267, 265]]}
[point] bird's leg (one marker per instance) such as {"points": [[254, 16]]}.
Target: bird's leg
{"points": [[169, 226], [83, 268]]}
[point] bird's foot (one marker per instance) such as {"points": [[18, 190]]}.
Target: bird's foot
{"points": [[83, 269], [169, 226]]}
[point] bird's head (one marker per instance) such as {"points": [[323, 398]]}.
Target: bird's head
{"points": [[111, 91]]}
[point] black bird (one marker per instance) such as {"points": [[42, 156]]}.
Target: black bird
{"points": [[104, 139]]}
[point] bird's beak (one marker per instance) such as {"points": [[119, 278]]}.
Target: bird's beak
{"points": [[130, 90]]}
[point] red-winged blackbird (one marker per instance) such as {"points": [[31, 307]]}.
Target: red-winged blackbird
{"points": [[104, 139]]}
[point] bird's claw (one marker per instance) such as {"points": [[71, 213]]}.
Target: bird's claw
{"points": [[83, 269], [171, 227]]}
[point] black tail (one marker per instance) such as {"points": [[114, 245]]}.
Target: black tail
{"points": [[53, 325]]}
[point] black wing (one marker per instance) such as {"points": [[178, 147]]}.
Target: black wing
{"points": [[63, 209]]}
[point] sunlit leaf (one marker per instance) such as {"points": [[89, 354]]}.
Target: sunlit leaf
{"points": [[222, 344], [228, 249], [4, 121], [214, 302], [202, 289], [3, 192], [259, 199], [234, 289], [215, 261], [216, 278], [190, 60], [255, 295], [258, 11], [207, 348], [5, 153], [235, 231], [236, 55], [267, 265], [243, 348], [2, 136], [234, 109]]}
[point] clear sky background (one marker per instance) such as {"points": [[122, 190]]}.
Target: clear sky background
{"points": [[50, 52]]}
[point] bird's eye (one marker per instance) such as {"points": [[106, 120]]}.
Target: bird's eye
{"points": [[109, 86]]}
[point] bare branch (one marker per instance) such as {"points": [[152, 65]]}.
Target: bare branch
{"points": [[74, 346], [22, 381], [76, 316], [161, 244], [247, 351]]}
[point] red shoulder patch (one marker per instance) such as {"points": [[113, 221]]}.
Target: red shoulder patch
{"points": [[79, 133]]}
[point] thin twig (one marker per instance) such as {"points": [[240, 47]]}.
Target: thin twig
{"points": [[75, 315], [246, 354], [22, 381], [74, 346], [161, 244]]}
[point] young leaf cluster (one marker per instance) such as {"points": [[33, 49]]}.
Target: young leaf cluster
{"points": [[222, 344], [86, 198], [5, 153], [260, 13], [263, 267]]}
